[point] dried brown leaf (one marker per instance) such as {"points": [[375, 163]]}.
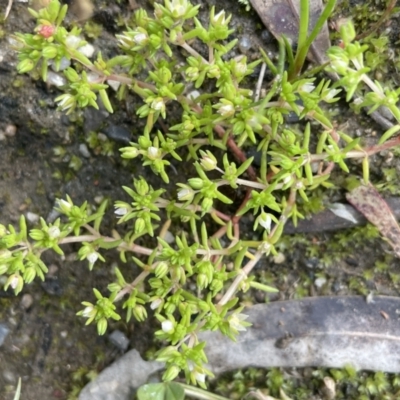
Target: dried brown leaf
{"points": [[367, 200], [281, 17]]}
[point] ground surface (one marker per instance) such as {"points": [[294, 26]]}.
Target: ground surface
{"points": [[47, 345]]}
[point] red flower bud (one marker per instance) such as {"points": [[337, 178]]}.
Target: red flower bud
{"points": [[46, 30]]}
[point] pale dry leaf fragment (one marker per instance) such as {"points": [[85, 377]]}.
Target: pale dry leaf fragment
{"points": [[8, 9], [281, 17], [343, 211], [367, 200]]}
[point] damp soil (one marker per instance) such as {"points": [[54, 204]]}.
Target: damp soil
{"points": [[50, 348]]}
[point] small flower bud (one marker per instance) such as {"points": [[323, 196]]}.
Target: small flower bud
{"points": [[64, 205], [139, 312], [161, 269], [171, 373], [208, 161], [46, 31], [185, 194], [140, 225], [196, 183], [140, 38]]}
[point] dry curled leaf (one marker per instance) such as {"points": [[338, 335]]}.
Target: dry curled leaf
{"points": [[281, 17], [367, 200]]}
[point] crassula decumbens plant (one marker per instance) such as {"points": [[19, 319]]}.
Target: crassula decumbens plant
{"points": [[222, 117]]}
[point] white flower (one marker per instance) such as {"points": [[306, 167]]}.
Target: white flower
{"points": [[156, 303], [236, 321], [87, 312], [227, 110], [121, 211], [201, 378], [178, 8], [73, 41], [54, 232], [87, 50], [331, 94], [140, 38], [307, 87], [194, 94], [265, 221], [153, 152], [158, 104], [167, 326], [14, 281], [92, 257]]}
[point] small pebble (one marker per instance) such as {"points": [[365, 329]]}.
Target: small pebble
{"points": [[26, 301], [83, 149], [279, 258], [245, 44], [319, 282], [98, 199], [10, 130], [9, 376], [119, 340], [32, 217], [87, 50], [118, 133], [2, 136], [114, 84], [266, 36], [55, 79], [4, 331], [169, 237]]}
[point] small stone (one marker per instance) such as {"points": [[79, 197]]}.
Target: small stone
{"points": [[4, 331], [266, 36], [33, 218], [83, 149], [2, 136], [9, 376], [118, 133], [114, 84], [10, 130], [119, 340], [245, 44], [26, 301], [279, 258], [98, 199], [169, 237], [55, 79], [87, 50], [319, 282]]}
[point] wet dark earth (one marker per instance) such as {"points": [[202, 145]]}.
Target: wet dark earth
{"points": [[45, 155]]}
